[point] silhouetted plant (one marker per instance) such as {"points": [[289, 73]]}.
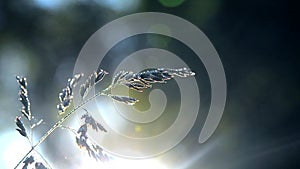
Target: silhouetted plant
{"points": [[134, 81]]}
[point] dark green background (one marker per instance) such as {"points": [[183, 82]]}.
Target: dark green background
{"points": [[258, 43]]}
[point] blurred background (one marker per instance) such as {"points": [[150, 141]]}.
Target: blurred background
{"points": [[258, 43]]}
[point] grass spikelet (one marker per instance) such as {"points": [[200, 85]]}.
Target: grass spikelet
{"points": [[27, 161], [94, 150], [39, 165], [21, 128], [124, 99], [145, 79], [91, 81], [90, 121], [66, 96], [23, 97]]}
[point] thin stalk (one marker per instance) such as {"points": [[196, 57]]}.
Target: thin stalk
{"points": [[32, 148], [69, 129], [43, 159], [30, 133], [31, 136]]}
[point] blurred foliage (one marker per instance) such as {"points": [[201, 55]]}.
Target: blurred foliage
{"points": [[257, 42]]}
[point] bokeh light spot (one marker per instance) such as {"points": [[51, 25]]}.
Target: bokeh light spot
{"points": [[138, 128]]}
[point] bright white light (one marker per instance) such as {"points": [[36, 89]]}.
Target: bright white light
{"points": [[13, 147], [118, 163]]}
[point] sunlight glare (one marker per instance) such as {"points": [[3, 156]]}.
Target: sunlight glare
{"points": [[119, 163], [13, 148]]}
